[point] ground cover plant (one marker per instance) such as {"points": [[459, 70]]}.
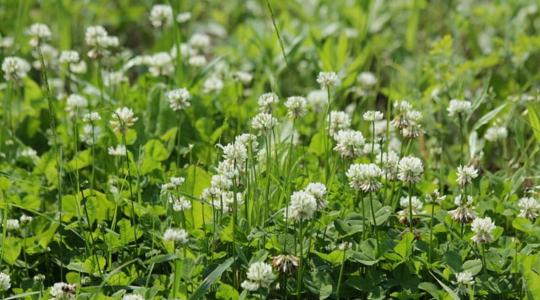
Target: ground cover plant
{"points": [[269, 149]]}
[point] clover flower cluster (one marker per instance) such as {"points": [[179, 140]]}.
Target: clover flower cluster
{"points": [[465, 174], [177, 235], [407, 120], [259, 275], [63, 291], [178, 99], [416, 205], [364, 177], [529, 208], [483, 230], [224, 192], [99, 41], [464, 212]]}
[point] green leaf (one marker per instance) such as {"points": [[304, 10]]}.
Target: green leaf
{"points": [[450, 292], [156, 150], [405, 246], [82, 160], [534, 121], [11, 249], [473, 266], [316, 145], [431, 289], [211, 279], [226, 292], [487, 117]]}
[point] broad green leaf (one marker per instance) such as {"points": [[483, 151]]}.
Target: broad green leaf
{"points": [[156, 150], [534, 121]]}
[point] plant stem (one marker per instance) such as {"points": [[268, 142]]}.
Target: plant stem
{"points": [[374, 219], [301, 262], [340, 278], [277, 32], [410, 208], [431, 232], [56, 148]]}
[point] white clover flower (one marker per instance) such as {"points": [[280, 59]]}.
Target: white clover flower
{"points": [[90, 134], [38, 33], [410, 169], [328, 79], [243, 77], [250, 285], [465, 174], [372, 116], [63, 291], [197, 61], [178, 99], [5, 282], [122, 119], [404, 116], [416, 205], [177, 235], [339, 120], [91, 117], [483, 229], [364, 177], [296, 106], [15, 68], [29, 153], [266, 101], [209, 194], [380, 129], [161, 16], [97, 38], [529, 208], [75, 103], [113, 78], [456, 107], [302, 207], [317, 99], [6, 42], [236, 153], [496, 133], [367, 79], [78, 68], [160, 64], [173, 183], [459, 201], [199, 41], [259, 275], [464, 278], [221, 182], [25, 219], [132, 297], [317, 190], [181, 204], [119, 150], [69, 57], [389, 163], [349, 143], [263, 121], [225, 200], [463, 212], [212, 84], [12, 224], [248, 140], [183, 17], [49, 54]]}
